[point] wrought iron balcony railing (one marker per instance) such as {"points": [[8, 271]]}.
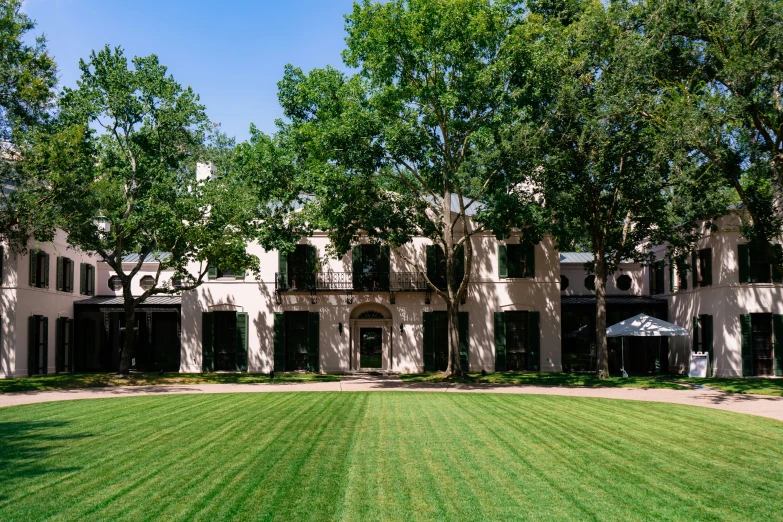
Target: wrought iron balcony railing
{"points": [[294, 281]]}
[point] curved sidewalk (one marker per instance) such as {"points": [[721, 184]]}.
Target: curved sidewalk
{"points": [[762, 405]]}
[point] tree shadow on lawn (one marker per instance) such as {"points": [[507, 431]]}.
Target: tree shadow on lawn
{"points": [[582, 380], [24, 448]]}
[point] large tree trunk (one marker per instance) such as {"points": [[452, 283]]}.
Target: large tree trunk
{"points": [[602, 366], [129, 343], [453, 369]]}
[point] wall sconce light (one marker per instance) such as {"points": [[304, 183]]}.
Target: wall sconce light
{"points": [[402, 327], [340, 328]]}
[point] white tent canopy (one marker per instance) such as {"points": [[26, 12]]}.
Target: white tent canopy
{"points": [[643, 325]]}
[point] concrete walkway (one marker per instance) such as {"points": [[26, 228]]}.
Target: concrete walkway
{"points": [[762, 405]]}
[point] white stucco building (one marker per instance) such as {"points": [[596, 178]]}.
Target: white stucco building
{"points": [[527, 309]]}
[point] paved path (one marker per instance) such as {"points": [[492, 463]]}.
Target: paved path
{"points": [[763, 405]]}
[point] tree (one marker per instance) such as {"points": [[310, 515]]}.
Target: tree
{"points": [[722, 74], [606, 182], [123, 164], [28, 75], [421, 137]]}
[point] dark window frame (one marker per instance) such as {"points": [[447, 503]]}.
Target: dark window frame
{"points": [[657, 286], [564, 283], [89, 271], [627, 282]]}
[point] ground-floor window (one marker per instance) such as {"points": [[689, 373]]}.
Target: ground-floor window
{"points": [[296, 341], [224, 341], [37, 345], [517, 341], [762, 344], [436, 341]]}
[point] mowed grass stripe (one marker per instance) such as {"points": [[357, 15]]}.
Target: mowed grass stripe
{"points": [[385, 456]]}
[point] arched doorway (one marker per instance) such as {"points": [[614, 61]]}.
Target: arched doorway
{"points": [[371, 339]]}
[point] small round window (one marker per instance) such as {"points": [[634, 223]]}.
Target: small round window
{"points": [[624, 282], [115, 283], [147, 282], [563, 283], [590, 282]]}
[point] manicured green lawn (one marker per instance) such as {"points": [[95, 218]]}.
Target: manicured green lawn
{"points": [[385, 455], [92, 380]]}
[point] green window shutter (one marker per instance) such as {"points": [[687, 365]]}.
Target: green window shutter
{"points": [[71, 266], [530, 261], [659, 271], [500, 342], [58, 344], [33, 268], [82, 278], [695, 334], [682, 274], [46, 270], [207, 342], [695, 269], [311, 264], [59, 278], [464, 342], [92, 279], [45, 343], [313, 338], [32, 352], [279, 342], [282, 270], [242, 327], [211, 272], [743, 260], [385, 262], [356, 266], [71, 364], [432, 262], [502, 262], [777, 333], [429, 341], [534, 341], [777, 275], [707, 277], [708, 343], [459, 266], [746, 331], [671, 277]]}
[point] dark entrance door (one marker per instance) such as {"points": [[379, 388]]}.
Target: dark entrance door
{"points": [[225, 341], [296, 340], [762, 344], [371, 348]]}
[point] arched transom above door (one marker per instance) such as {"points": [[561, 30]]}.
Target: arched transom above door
{"points": [[371, 312]]}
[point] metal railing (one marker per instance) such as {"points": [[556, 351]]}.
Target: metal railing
{"points": [[348, 281]]}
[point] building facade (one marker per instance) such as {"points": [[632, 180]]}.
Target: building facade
{"points": [[527, 309]]}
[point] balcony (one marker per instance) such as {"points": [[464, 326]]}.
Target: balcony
{"points": [[315, 282]]}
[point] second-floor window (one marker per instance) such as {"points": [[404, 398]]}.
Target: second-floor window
{"points": [[87, 279], [39, 269], [371, 267], [296, 270], [757, 266], [516, 261], [64, 274], [656, 278], [701, 267]]}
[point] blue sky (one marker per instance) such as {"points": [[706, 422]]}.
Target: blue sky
{"points": [[231, 53]]}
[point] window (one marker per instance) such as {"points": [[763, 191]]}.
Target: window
{"points": [[63, 353], [517, 341], [656, 278], [37, 345], [224, 341], [702, 339], [296, 270], [115, 283], [39, 269], [762, 344], [623, 282], [64, 274], [682, 277], [147, 282], [756, 266], [87, 279], [296, 341], [218, 273], [701, 262], [590, 283], [563, 283], [371, 266], [516, 260]]}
